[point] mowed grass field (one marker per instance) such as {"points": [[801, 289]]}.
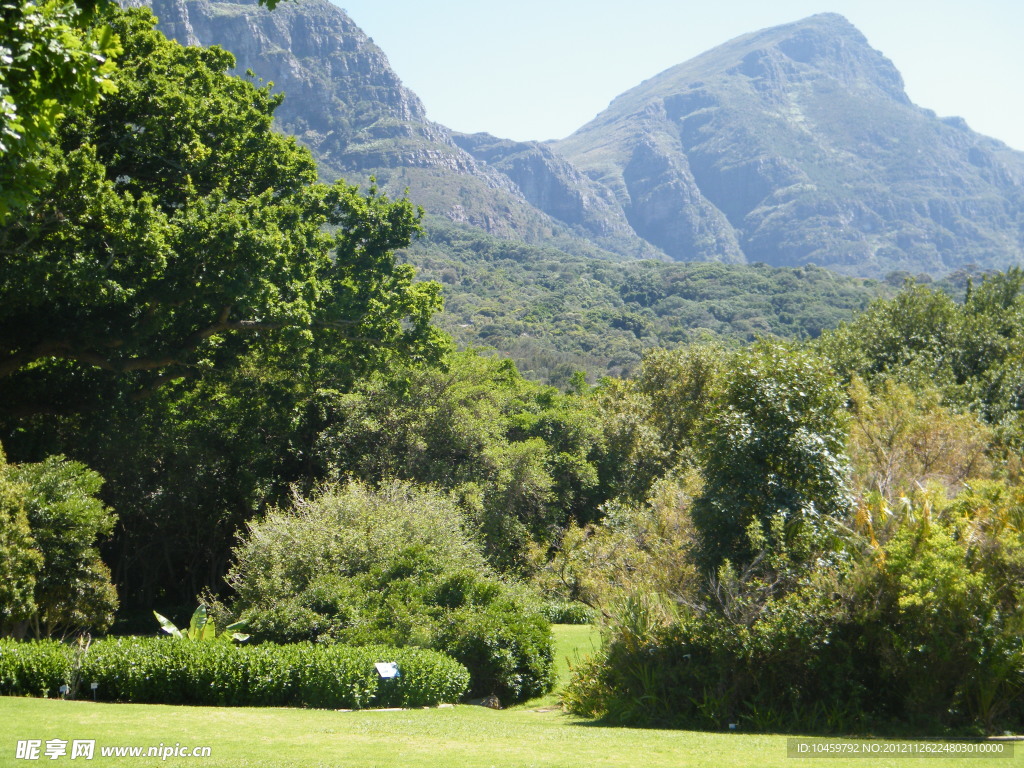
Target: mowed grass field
{"points": [[533, 734]]}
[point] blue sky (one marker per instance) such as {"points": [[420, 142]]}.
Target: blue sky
{"points": [[539, 69]]}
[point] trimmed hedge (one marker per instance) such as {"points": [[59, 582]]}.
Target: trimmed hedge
{"points": [[34, 668], [495, 630], [168, 671]]}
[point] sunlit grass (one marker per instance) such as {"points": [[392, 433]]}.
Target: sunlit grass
{"points": [[534, 734]]}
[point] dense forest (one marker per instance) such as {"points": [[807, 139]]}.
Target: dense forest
{"points": [[219, 384], [555, 312]]}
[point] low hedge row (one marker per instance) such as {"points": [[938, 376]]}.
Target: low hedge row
{"points": [[34, 668], [167, 671]]}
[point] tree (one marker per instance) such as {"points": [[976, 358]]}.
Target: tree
{"points": [[179, 296], [52, 58], [520, 454], [20, 560], [970, 351], [51, 520], [67, 520], [899, 438], [774, 468], [179, 231]]}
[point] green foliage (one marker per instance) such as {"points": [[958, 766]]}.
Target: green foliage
{"points": [[37, 668], [73, 589], [969, 351], [775, 473], [521, 456], [347, 531], [180, 231], [54, 57], [568, 612], [554, 312], [161, 671], [397, 566], [20, 558], [202, 628], [635, 547], [900, 437], [182, 302], [653, 422], [507, 649], [50, 524], [919, 629]]}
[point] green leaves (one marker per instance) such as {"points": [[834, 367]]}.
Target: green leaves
{"points": [[774, 457], [159, 671], [71, 585], [20, 558], [176, 219], [168, 626], [202, 629], [54, 58]]}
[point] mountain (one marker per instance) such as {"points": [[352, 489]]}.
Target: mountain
{"points": [[344, 102], [790, 146], [798, 145]]}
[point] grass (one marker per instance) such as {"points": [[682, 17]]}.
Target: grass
{"points": [[535, 734]]}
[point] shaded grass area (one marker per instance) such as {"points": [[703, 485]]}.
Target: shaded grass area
{"points": [[535, 734]]}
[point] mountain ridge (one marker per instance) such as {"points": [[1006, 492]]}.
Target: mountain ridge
{"points": [[760, 125], [344, 102], [791, 145]]}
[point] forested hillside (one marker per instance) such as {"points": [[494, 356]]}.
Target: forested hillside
{"points": [[554, 313]]}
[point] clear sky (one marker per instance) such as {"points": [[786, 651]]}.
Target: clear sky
{"points": [[539, 69]]}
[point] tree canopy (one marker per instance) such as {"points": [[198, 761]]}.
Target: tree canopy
{"points": [[175, 223], [52, 58]]}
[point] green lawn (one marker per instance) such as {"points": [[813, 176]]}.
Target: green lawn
{"points": [[459, 737]]}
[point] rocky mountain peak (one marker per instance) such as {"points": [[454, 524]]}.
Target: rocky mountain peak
{"points": [[791, 145], [796, 145], [824, 45]]}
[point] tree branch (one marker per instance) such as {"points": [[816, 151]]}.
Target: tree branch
{"points": [[64, 349]]}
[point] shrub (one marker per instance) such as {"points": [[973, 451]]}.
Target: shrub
{"points": [[20, 560], [161, 671], [508, 653], [921, 633], [52, 580], [34, 669], [798, 667], [491, 628], [346, 531], [395, 566], [567, 612]]}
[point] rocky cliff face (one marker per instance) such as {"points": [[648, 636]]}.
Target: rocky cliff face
{"points": [[556, 187], [345, 103], [789, 146], [798, 145]]}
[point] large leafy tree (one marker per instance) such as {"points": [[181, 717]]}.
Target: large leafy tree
{"points": [[179, 231], [176, 301]]}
